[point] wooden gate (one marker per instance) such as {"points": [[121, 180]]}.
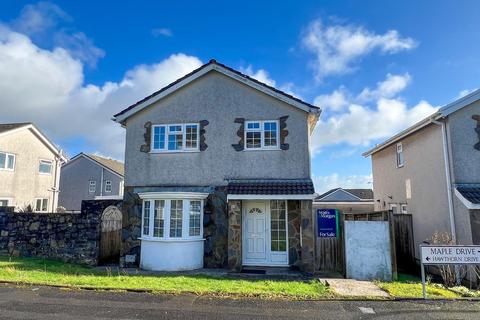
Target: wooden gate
{"points": [[110, 239], [330, 255], [404, 243]]}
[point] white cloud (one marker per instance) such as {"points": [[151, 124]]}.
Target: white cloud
{"points": [[465, 92], [47, 87], [336, 101], [260, 75], [48, 25], [388, 88], [373, 114], [157, 32], [338, 47], [325, 183]]}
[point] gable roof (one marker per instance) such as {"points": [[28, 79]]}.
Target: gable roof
{"points": [[8, 128], [443, 112], [114, 166], [357, 195], [204, 69]]}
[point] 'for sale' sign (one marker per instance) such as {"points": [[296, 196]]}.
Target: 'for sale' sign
{"points": [[450, 254]]}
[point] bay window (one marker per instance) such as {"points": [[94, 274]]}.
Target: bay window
{"points": [[172, 218], [175, 138], [261, 135]]}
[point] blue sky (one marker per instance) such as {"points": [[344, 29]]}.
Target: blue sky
{"points": [[375, 67]]}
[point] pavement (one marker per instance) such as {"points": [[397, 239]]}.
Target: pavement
{"points": [[52, 303]]}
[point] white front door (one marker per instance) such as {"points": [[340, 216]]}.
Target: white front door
{"points": [[254, 232]]}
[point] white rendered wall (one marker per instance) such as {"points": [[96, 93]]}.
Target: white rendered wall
{"points": [[171, 255]]}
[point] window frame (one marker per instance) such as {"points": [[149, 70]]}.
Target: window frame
{"points": [[108, 183], [400, 155], [262, 135], [8, 201], [7, 154], [402, 210], [51, 167], [167, 132], [90, 186], [42, 200], [393, 205], [185, 222]]}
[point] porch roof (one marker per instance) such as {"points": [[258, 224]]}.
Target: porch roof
{"points": [[271, 187]]}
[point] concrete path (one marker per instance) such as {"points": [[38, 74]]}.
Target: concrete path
{"points": [[355, 288]]}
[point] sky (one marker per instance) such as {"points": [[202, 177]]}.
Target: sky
{"points": [[374, 67]]}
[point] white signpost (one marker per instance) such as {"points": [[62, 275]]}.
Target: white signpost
{"points": [[446, 254]]}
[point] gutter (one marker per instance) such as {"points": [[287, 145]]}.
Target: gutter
{"points": [[448, 177]]}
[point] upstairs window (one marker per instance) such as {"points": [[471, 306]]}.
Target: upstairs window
{"points": [[108, 186], [175, 137], [7, 161], [45, 167], [92, 186], [261, 135], [400, 158]]}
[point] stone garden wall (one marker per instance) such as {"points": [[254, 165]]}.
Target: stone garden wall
{"points": [[71, 237]]}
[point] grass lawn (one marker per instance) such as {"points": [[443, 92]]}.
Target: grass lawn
{"points": [[411, 287], [49, 272]]}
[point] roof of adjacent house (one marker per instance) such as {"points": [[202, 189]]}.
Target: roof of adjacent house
{"points": [[4, 127], [356, 195], [271, 187], [108, 163], [7, 128], [443, 112], [214, 65], [471, 193]]}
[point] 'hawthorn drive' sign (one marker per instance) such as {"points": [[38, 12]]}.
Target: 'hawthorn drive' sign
{"points": [[446, 254], [327, 222]]}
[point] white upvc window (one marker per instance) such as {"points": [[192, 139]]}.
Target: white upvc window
{"points": [[403, 208], [108, 186], [400, 157], [4, 202], [45, 167], [41, 204], [172, 218], [175, 137], [7, 161], [393, 207], [262, 135], [92, 186]]}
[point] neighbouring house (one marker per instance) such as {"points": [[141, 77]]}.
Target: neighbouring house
{"points": [[346, 200], [90, 177], [432, 171], [29, 168], [217, 174]]}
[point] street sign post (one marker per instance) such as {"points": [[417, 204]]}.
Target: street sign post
{"points": [[447, 254]]}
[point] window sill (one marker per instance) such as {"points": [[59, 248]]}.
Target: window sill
{"points": [[174, 151], [8, 170], [262, 149], [170, 240]]}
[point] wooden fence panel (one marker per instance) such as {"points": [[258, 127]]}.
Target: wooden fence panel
{"points": [[404, 242]]}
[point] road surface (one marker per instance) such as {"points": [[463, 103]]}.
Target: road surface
{"points": [[52, 303]]}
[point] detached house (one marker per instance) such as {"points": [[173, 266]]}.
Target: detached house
{"points": [[217, 174], [90, 177], [29, 168], [432, 171]]}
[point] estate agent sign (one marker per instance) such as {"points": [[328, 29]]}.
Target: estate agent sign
{"points": [[454, 255], [327, 222]]}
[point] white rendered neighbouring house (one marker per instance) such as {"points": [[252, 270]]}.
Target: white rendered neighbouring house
{"points": [[432, 171], [217, 174], [29, 168]]}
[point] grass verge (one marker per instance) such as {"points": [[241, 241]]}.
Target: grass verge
{"points": [[50, 272], [411, 287]]}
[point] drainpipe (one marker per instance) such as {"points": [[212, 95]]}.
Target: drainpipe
{"points": [[101, 183], [448, 176]]}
